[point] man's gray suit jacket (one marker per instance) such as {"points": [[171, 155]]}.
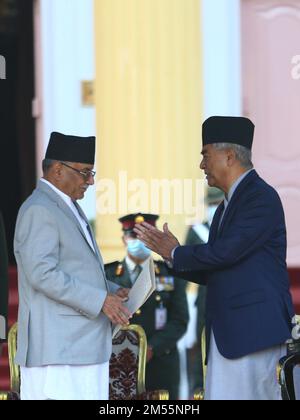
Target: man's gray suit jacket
{"points": [[62, 287]]}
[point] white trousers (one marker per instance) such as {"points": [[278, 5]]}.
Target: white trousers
{"points": [[89, 382], [250, 378]]}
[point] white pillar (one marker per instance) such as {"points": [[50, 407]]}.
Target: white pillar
{"points": [[222, 57], [67, 56]]}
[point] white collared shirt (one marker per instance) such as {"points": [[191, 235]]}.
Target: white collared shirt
{"points": [[232, 190], [71, 205], [234, 187]]}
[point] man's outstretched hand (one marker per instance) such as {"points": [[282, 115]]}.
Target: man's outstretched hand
{"points": [[160, 242]]}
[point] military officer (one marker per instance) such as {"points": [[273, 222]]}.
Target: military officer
{"points": [[164, 316], [198, 234], [3, 284]]}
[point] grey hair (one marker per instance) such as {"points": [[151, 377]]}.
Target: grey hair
{"points": [[47, 165], [243, 155]]}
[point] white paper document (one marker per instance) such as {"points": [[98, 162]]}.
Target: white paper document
{"points": [[140, 292]]}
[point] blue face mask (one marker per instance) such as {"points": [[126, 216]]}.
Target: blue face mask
{"points": [[137, 249]]}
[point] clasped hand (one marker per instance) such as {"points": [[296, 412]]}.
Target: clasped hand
{"points": [[114, 309]]}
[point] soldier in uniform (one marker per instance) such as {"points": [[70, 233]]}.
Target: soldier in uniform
{"points": [[3, 284], [164, 316]]}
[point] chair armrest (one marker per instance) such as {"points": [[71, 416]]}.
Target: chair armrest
{"points": [[9, 396], [199, 395], [158, 395], [3, 396]]}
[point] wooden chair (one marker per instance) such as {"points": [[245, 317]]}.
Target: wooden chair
{"points": [[127, 367], [14, 393], [286, 366]]}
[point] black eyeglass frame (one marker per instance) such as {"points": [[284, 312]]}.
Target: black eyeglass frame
{"points": [[86, 174]]}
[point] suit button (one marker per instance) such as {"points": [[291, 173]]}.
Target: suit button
{"points": [[157, 298], [138, 312]]}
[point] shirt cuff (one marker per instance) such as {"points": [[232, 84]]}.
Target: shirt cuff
{"points": [[173, 252], [168, 262]]}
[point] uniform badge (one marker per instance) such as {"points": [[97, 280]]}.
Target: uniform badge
{"points": [[161, 317], [164, 283], [139, 219]]}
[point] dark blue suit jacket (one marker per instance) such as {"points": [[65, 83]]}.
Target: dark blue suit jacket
{"points": [[249, 306]]}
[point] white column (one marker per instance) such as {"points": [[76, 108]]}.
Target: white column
{"points": [[222, 57], [67, 45]]}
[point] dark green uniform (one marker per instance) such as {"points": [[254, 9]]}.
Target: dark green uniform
{"points": [[194, 356], [169, 299], [3, 283], [198, 235]]}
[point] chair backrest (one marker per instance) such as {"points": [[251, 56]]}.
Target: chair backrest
{"points": [[128, 364], [12, 351], [287, 364]]}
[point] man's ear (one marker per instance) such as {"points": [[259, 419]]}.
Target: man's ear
{"points": [[231, 157], [57, 170]]}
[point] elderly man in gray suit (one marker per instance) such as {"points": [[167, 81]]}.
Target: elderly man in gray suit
{"points": [[67, 307]]}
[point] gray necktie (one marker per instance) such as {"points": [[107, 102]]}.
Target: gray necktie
{"points": [[135, 273], [80, 212], [90, 232]]}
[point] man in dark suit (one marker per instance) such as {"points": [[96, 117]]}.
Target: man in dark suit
{"points": [[164, 316], [3, 284], [249, 306]]}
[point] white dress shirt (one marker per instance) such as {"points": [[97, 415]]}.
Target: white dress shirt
{"points": [[70, 203]]}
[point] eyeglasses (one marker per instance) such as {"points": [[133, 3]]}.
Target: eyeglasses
{"points": [[86, 174]]}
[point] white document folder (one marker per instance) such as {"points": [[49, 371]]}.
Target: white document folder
{"points": [[140, 292]]}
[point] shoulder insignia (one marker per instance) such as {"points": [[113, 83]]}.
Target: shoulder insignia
{"points": [[119, 270], [114, 266], [157, 269]]}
